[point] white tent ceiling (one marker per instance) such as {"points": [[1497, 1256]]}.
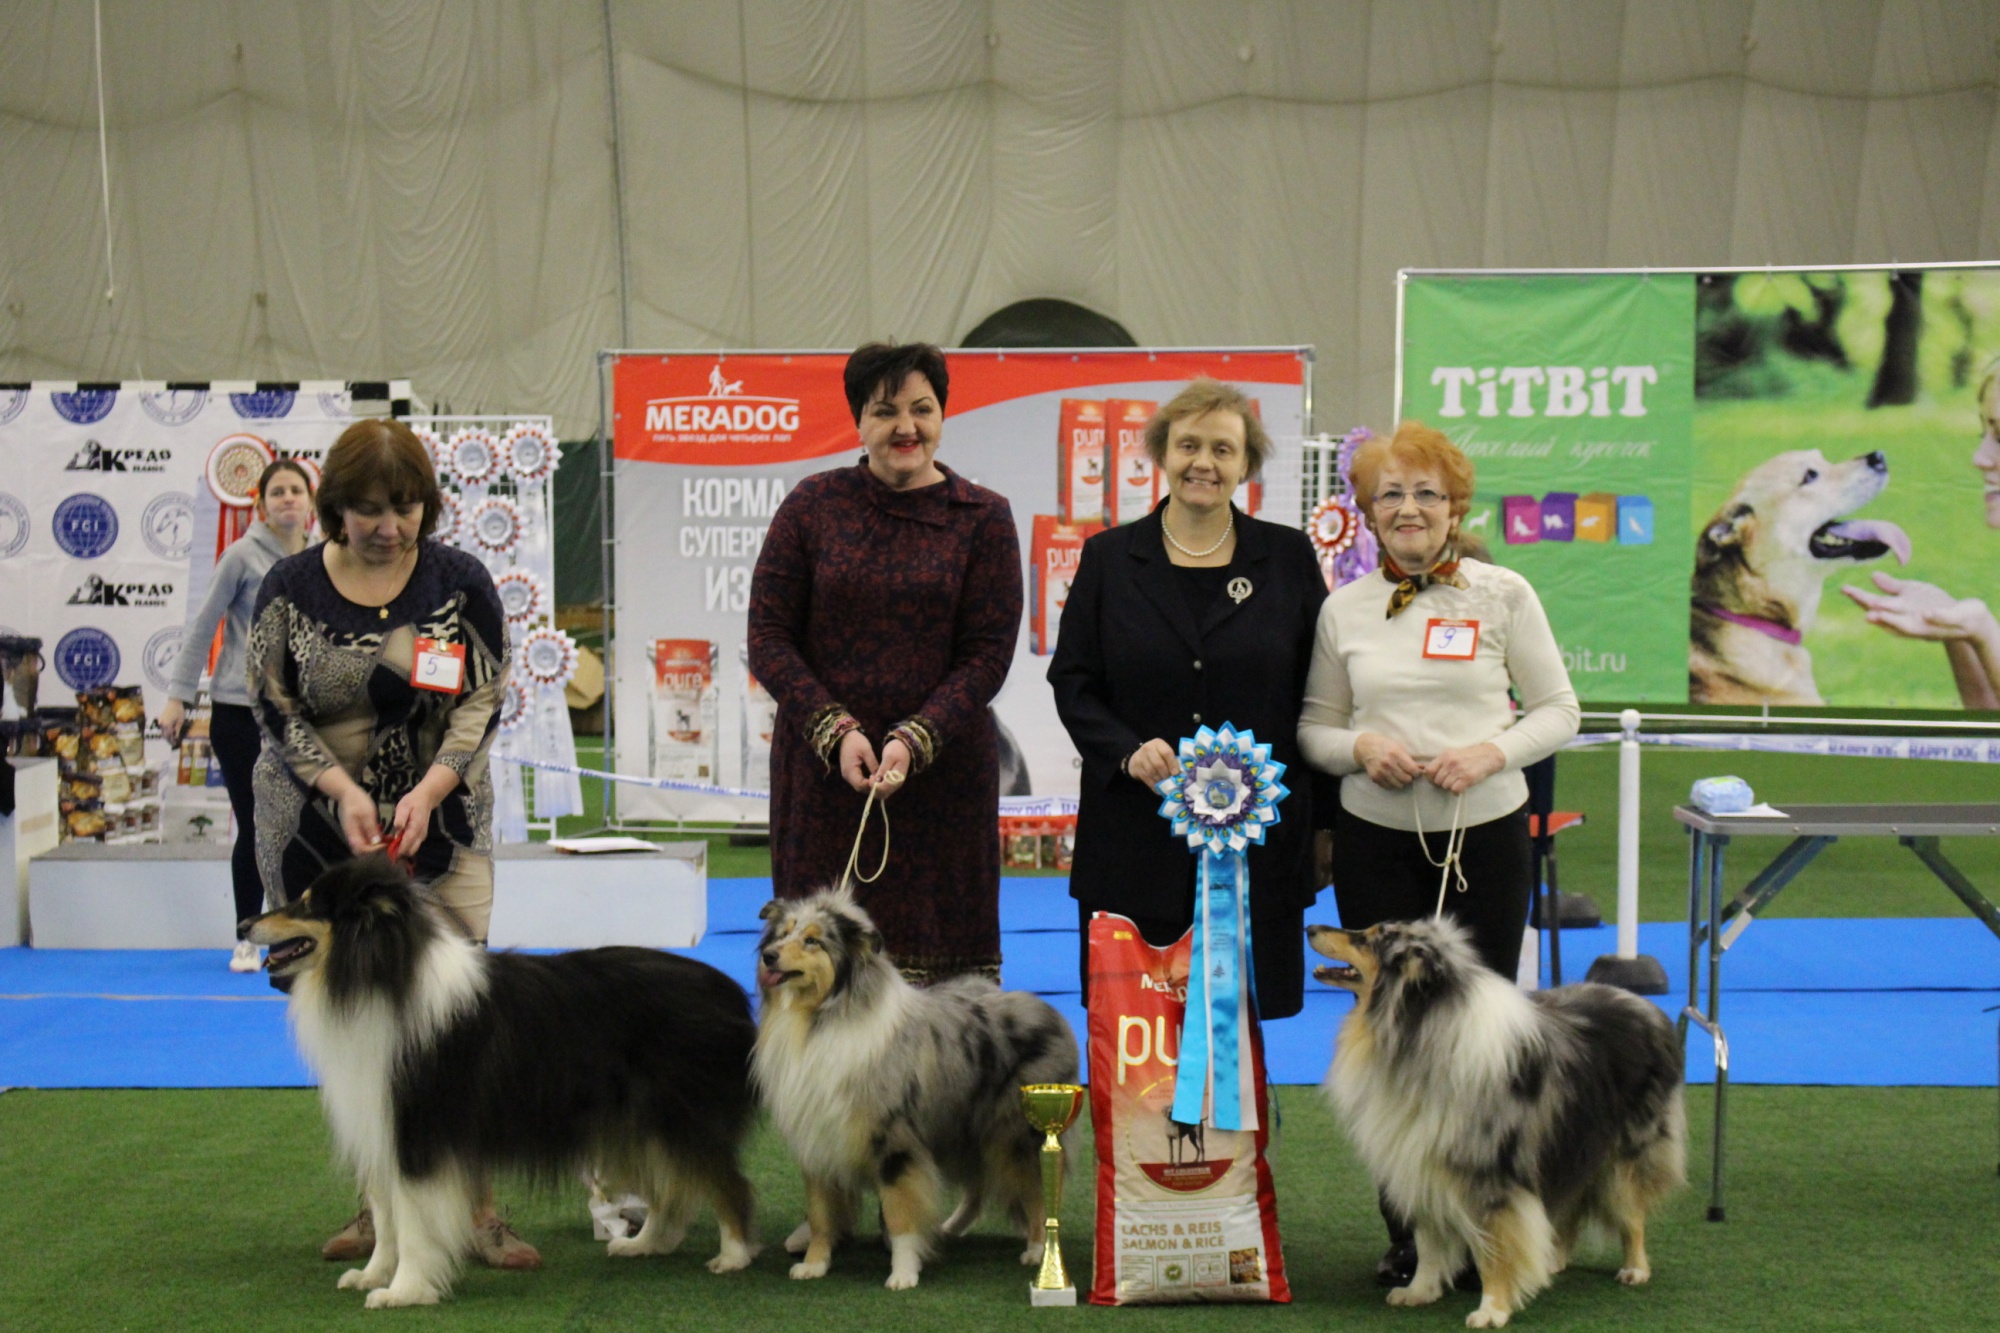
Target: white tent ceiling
{"points": [[322, 189]]}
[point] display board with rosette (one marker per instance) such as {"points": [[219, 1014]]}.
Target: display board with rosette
{"points": [[497, 475], [116, 499]]}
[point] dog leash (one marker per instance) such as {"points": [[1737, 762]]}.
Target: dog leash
{"points": [[849, 877], [1454, 849]]}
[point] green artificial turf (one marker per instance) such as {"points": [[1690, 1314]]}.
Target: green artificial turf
{"points": [[1850, 1208]]}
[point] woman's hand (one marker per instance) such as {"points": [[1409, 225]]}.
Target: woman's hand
{"points": [[894, 771], [1918, 610], [1153, 763], [1456, 770], [412, 821], [173, 719], [857, 760], [1385, 760], [358, 821]]}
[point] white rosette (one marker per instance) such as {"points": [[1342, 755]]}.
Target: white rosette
{"points": [[473, 456], [531, 453], [494, 525], [433, 444], [544, 663], [523, 597], [510, 797], [451, 518]]}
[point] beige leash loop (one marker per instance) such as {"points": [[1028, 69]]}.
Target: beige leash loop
{"points": [[849, 877]]}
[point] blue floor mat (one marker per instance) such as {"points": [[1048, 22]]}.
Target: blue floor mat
{"points": [[1805, 1001]]}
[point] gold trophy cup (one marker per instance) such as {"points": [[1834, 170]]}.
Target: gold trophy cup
{"points": [[1052, 1108]]}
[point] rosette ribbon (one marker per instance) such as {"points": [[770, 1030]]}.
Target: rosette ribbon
{"points": [[1223, 798]]}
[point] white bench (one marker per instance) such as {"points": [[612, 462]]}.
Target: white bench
{"points": [[86, 895]]}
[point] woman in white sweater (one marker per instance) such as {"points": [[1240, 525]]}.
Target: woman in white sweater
{"points": [[1407, 701]]}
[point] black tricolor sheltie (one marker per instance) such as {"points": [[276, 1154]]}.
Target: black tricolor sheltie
{"points": [[439, 1062], [1501, 1123]]}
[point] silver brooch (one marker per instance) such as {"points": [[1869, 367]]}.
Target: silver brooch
{"points": [[1239, 589]]}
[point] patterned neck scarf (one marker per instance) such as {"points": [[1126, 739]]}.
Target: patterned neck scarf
{"points": [[1445, 571]]}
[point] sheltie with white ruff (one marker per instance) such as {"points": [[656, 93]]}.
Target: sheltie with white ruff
{"points": [[439, 1063], [1500, 1122], [878, 1085]]}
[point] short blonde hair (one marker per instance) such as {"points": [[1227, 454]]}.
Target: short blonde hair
{"points": [[1201, 397], [1416, 444]]}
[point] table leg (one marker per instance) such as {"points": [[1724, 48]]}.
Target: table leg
{"points": [[1928, 852], [1714, 1024], [1697, 845]]}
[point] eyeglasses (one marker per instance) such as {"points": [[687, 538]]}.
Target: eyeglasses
{"points": [[1425, 497]]}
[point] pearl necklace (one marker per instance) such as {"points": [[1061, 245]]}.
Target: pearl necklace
{"points": [[1198, 555]]}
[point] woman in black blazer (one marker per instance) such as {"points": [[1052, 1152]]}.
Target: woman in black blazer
{"points": [[1195, 614]]}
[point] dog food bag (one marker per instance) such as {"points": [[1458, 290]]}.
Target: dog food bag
{"points": [[1080, 460], [1053, 553], [684, 736], [1131, 482], [759, 725], [1185, 1213]]}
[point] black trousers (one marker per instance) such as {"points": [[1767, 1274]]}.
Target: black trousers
{"points": [[1381, 874], [235, 740]]}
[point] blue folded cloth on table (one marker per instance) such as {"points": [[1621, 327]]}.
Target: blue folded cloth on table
{"points": [[1721, 796]]}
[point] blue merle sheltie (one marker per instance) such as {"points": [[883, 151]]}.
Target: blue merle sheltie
{"points": [[1502, 1123], [439, 1063], [877, 1085]]}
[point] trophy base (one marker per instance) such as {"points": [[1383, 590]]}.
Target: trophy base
{"points": [[1039, 1296]]}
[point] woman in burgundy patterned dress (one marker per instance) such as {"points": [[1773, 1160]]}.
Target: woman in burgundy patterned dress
{"points": [[883, 617]]}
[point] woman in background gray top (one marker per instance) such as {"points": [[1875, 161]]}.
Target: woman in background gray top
{"points": [[284, 509]]}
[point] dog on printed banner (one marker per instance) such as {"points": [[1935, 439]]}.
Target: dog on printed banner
{"points": [[877, 1085], [1759, 567], [440, 1063], [1500, 1122]]}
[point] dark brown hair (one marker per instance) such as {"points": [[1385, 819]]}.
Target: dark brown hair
{"points": [[882, 368], [1201, 397], [277, 465], [379, 455]]}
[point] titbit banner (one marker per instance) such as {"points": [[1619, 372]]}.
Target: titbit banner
{"points": [[707, 446], [1750, 488]]}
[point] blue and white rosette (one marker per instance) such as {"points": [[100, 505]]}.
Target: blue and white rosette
{"points": [[1224, 798]]}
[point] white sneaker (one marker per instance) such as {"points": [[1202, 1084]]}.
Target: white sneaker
{"points": [[246, 958]]}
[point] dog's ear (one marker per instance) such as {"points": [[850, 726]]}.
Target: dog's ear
{"points": [[1728, 528], [772, 910]]}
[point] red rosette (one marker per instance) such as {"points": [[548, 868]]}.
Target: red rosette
{"points": [[530, 453], [1333, 526], [234, 465], [494, 525], [433, 444]]}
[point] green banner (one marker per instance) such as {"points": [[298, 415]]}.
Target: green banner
{"points": [[1574, 398]]}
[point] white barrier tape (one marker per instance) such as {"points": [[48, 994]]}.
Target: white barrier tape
{"points": [[1025, 807], [1959, 749]]}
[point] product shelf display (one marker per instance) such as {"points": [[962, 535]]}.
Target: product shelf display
{"points": [[497, 474]]}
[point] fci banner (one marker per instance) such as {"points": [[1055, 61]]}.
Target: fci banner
{"points": [[708, 445], [1734, 487], [115, 500]]}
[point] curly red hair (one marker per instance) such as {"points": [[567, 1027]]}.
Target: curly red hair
{"points": [[1414, 445]]}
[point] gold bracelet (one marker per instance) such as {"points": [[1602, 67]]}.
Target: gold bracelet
{"points": [[825, 728], [917, 737]]}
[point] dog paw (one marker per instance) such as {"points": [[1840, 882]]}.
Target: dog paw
{"points": [[627, 1247], [360, 1279], [1032, 1256], [731, 1258], [388, 1298], [901, 1281], [1635, 1277], [1487, 1316], [801, 1237], [1411, 1295], [803, 1271]]}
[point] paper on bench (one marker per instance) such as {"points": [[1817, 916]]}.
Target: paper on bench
{"points": [[591, 846], [1761, 810]]}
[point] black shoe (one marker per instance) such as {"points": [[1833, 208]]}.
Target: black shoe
{"points": [[1397, 1265]]}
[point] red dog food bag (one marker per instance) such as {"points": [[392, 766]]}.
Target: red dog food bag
{"points": [[1184, 1213]]}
